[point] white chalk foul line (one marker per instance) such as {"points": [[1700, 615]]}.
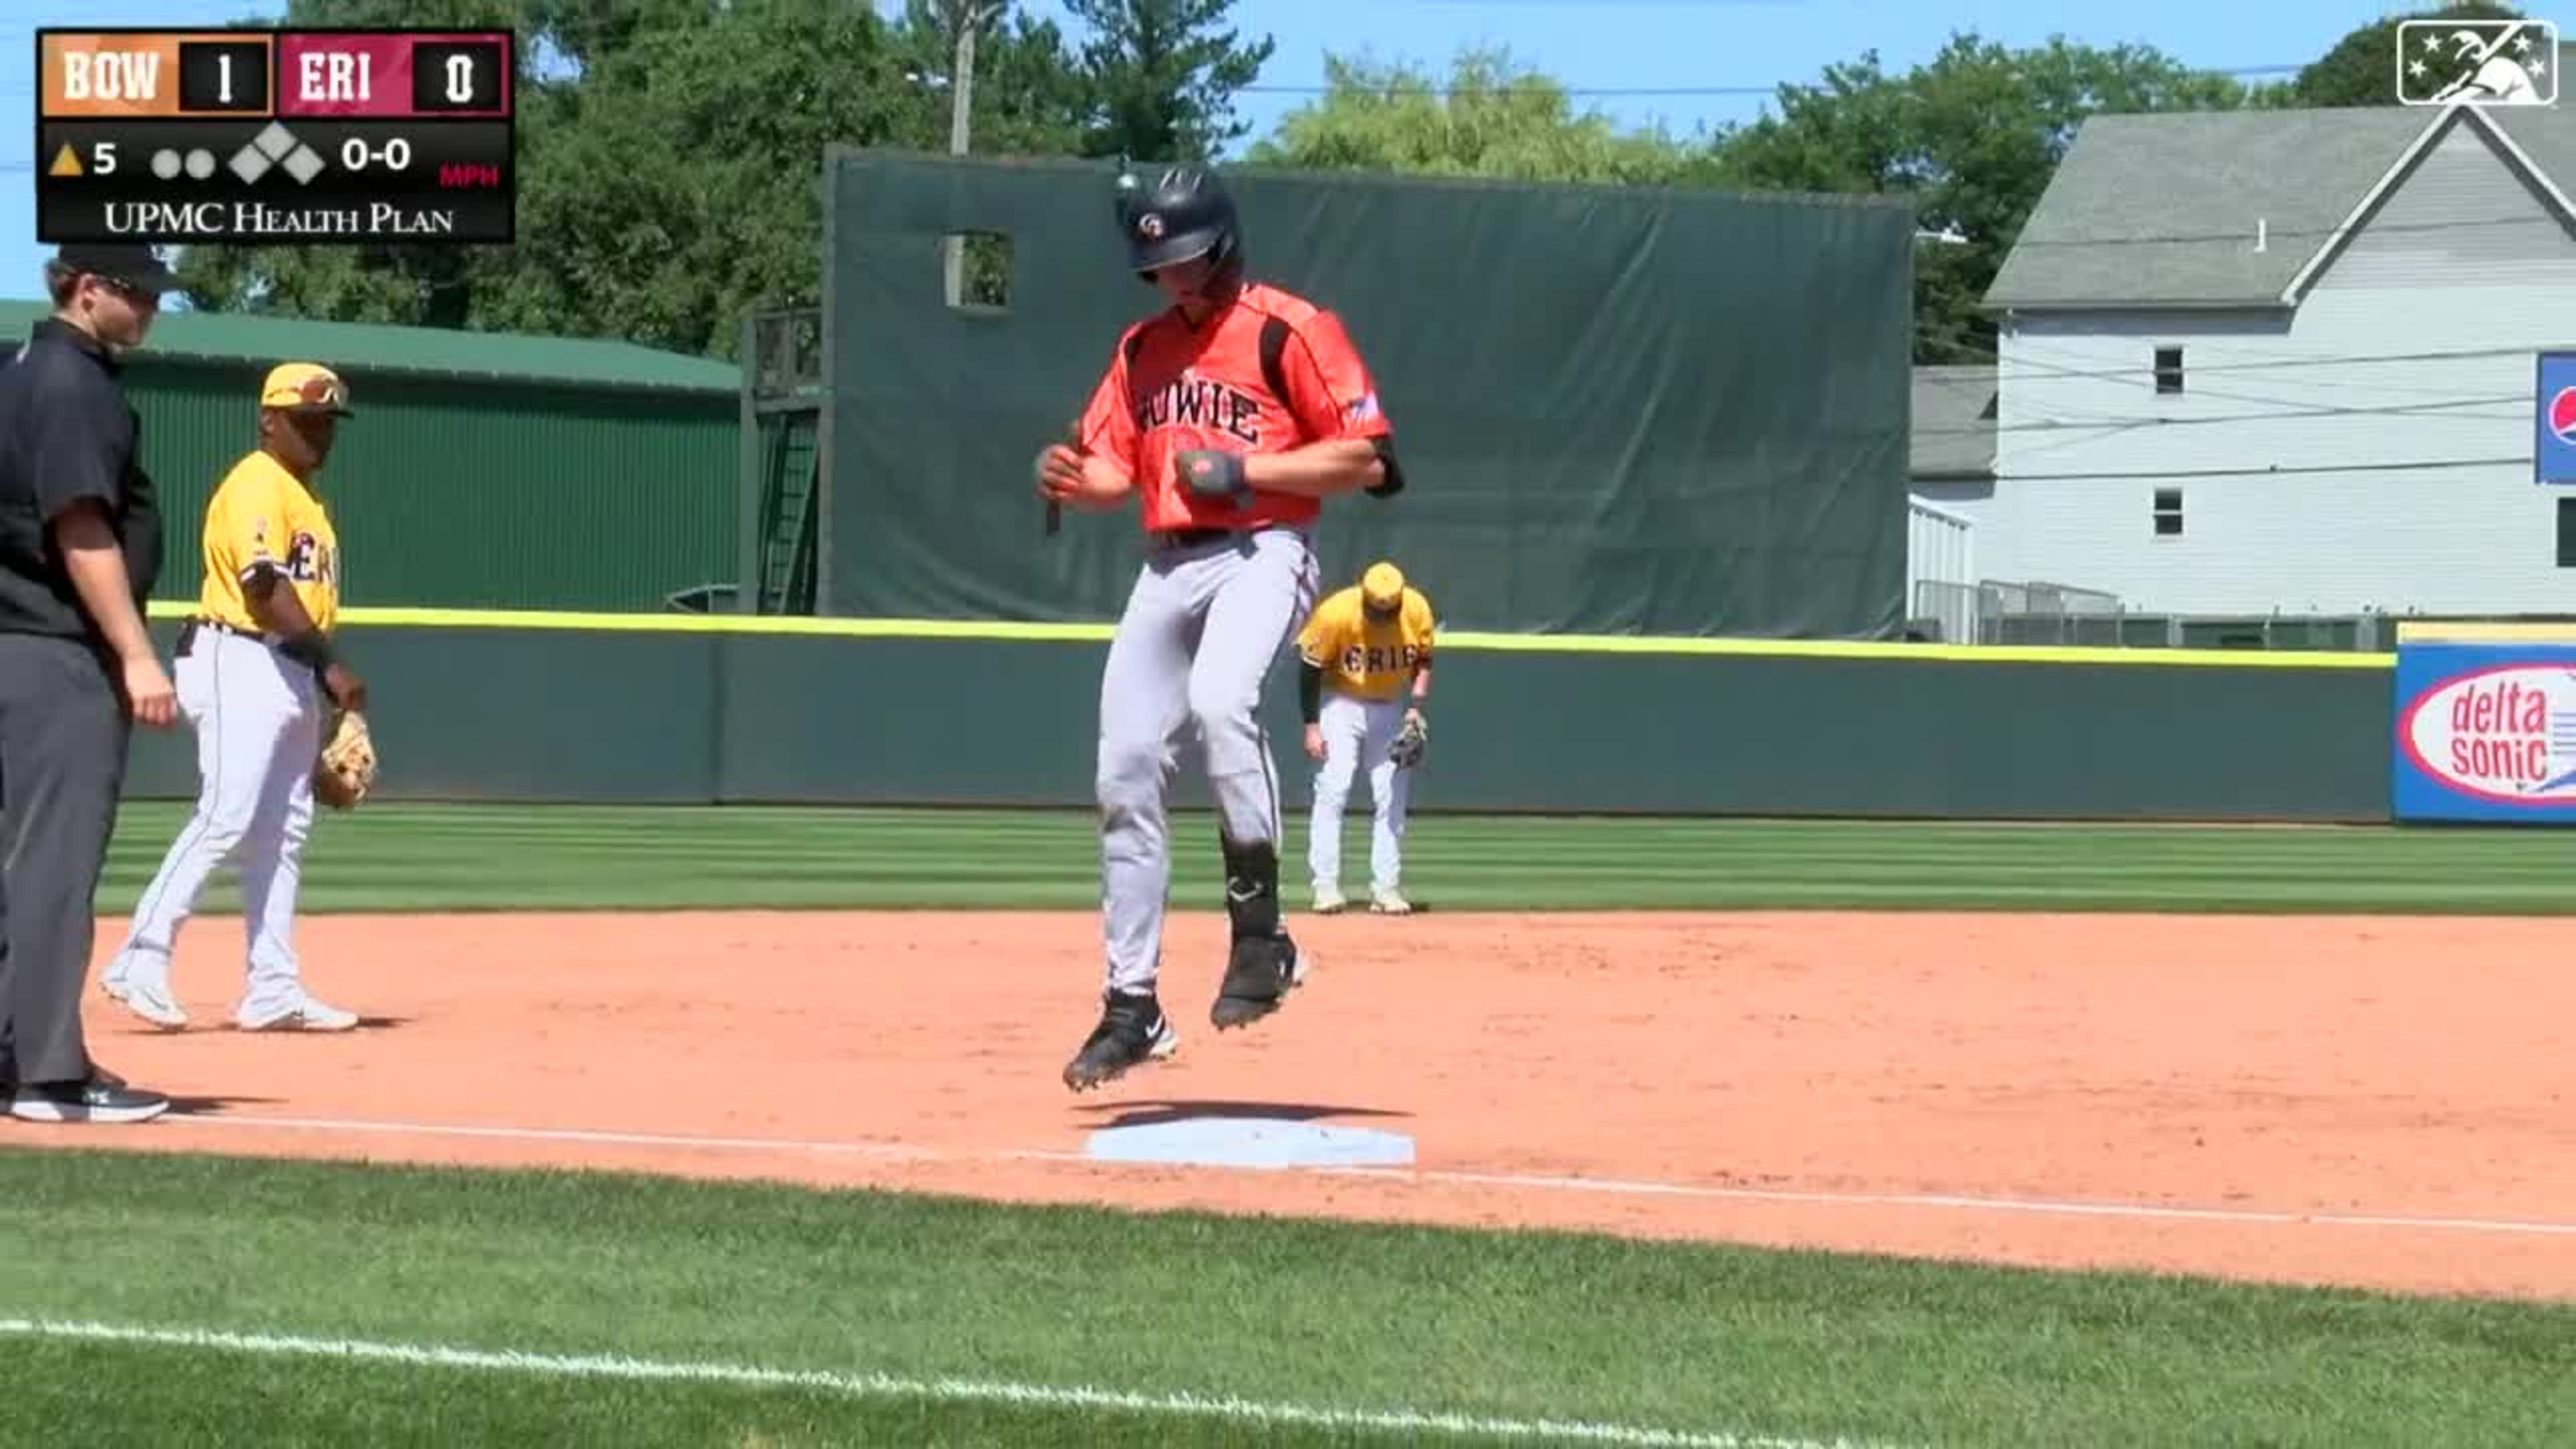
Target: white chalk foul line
{"points": [[1600, 1186], [1231, 1409], [1952, 1202]]}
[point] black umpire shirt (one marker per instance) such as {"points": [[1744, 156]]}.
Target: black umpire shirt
{"points": [[67, 434]]}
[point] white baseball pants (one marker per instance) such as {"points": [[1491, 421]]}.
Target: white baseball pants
{"points": [[258, 720], [1357, 733]]}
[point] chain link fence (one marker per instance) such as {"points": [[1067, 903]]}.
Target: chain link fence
{"points": [[2044, 613]]}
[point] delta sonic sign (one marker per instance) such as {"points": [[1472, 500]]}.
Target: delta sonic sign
{"points": [[2486, 723]]}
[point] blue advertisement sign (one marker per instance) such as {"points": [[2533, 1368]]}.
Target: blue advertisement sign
{"points": [[2485, 731], [2553, 449]]}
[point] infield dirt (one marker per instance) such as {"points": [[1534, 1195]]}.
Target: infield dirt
{"points": [[2378, 1102]]}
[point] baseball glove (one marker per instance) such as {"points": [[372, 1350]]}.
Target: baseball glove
{"points": [[346, 769], [1406, 751]]}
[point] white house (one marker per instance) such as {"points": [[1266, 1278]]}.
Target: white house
{"points": [[2260, 360]]}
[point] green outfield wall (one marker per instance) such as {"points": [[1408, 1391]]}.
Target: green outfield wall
{"points": [[647, 709], [1687, 413]]}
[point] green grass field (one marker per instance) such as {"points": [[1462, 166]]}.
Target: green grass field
{"points": [[1276, 1317], [494, 858], [152, 1299]]}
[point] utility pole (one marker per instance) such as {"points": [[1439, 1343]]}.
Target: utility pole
{"points": [[964, 19]]}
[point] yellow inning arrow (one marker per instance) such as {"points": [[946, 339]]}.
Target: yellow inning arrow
{"points": [[65, 163]]}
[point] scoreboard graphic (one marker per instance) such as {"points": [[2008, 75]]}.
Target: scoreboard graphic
{"points": [[274, 137]]}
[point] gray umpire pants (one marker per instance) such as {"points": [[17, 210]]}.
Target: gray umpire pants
{"points": [[63, 734]]}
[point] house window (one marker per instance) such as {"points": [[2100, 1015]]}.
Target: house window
{"points": [[2168, 514], [2567, 533], [2168, 369]]}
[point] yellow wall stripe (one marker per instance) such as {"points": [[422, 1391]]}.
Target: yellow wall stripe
{"points": [[1466, 640]]}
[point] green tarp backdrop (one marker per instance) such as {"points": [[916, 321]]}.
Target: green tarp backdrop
{"points": [[1620, 411]]}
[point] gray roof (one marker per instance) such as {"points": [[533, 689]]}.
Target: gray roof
{"points": [[2546, 134], [1954, 422], [377, 348], [2162, 209]]}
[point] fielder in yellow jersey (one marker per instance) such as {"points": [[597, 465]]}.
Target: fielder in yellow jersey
{"points": [[263, 517], [257, 676], [1366, 656]]}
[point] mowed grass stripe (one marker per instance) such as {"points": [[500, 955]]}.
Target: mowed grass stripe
{"points": [[1563, 1327], [509, 857]]}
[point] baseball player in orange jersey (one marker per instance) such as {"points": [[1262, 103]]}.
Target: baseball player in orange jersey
{"points": [[1366, 672], [256, 671], [1230, 415]]}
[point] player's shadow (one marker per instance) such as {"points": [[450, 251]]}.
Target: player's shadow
{"points": [[365, 1024], [1156, 1114], [184, 1105], [1358, 910]]}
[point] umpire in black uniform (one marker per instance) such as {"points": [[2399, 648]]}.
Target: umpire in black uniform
{"points": [[80, 547]]}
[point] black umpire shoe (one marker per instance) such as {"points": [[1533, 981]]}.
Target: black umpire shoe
{"points": [[1132, 1032], [1261, 972], [102, 1098]]}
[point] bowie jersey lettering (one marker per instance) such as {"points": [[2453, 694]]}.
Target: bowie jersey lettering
{"points": [[1364, 657], [263, 514], [1267, 374]]}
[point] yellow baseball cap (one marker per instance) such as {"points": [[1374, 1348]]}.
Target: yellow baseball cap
{"points": [[1382, 587], [305, 387]]}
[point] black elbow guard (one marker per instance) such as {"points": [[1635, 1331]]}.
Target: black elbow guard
{"points": [[1310, 692], [1393, 482]]}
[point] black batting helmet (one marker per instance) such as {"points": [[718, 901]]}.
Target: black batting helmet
{"points": [[1182, 214]]}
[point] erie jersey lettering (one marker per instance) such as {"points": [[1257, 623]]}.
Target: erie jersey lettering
{"points": [[1365, 657], [263, 517], [1269, 373]]}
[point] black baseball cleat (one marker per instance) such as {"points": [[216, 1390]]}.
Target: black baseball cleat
{"points": [[1132, 1032], [99, 1099], [1260, 974]]}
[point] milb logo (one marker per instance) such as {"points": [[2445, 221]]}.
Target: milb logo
{"points": [[2477, 62]]}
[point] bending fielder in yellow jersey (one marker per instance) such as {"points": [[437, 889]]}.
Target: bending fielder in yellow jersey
{"points": [[256, 674], [1366, 653]]}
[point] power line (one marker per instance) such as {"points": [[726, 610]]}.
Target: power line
{"points": [[2302, 367], [2238, 71], [2322, 359], [2246, 234], [2424, 465], [2428, 412], [2129, 376]]}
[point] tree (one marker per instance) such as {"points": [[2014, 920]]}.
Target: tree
{"points": [[2361, 69], [1493, 118], [1973, 136], [1163, 77], [669, 149], [668, 152], [1030, 97], [686, 194], [382, 282]]}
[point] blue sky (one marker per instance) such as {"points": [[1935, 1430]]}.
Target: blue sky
{"points": [[1595, 46]]}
